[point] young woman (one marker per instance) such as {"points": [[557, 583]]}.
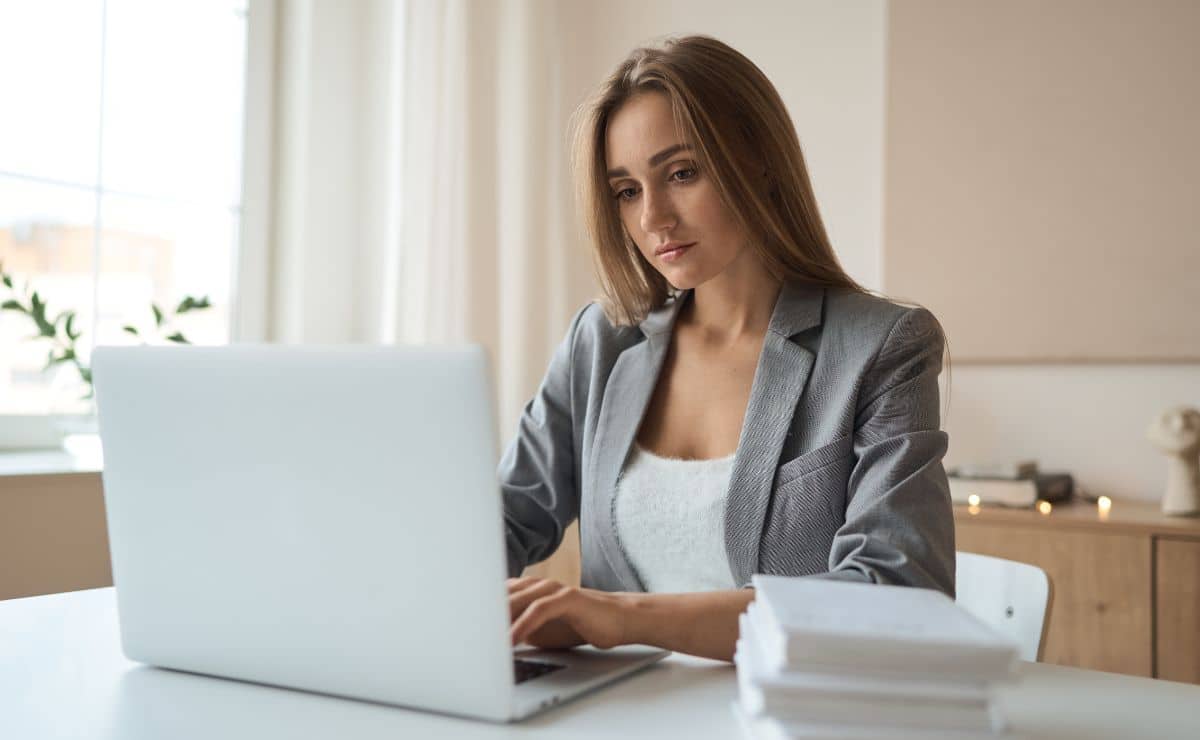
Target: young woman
{"points": [[736, 404]]}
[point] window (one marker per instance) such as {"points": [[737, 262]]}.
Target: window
{"points": [[120, 175]]}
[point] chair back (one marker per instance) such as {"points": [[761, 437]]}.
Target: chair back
{"points": [[1013, 598]]}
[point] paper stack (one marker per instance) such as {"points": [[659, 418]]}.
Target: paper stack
{"points": [[830, 659]]}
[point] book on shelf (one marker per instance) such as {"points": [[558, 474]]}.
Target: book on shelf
{"points": [[827, 626], [1052, 487], [1011, 470]]}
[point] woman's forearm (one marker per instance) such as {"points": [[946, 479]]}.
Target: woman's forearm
{"points": [[704, 624]]}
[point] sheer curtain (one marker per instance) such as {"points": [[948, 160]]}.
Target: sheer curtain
{"points": [[418, 187], [419, 184]]}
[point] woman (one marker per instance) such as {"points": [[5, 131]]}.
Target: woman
{"points": [[737, 404]]}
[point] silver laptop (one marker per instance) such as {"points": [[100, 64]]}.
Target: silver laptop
{"points": [[325, 519]]}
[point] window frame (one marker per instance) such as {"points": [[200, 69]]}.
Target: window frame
{"points": [[249, 300]]}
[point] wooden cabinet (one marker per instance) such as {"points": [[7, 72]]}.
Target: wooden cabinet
{"points": [[1177, 619], [52, 534], [1126, 585]]}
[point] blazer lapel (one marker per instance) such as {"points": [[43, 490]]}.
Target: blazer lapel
{"points": [[627, 393], [779, 380]]}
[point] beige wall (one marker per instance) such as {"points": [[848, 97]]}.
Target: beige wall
{"points": [[1043, 174], [1039, 197]]}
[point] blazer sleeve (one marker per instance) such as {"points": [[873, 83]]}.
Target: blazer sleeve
{"points": [[537, 472], [899, 526]]}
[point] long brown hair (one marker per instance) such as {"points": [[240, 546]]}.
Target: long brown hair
{"points": [[735, 120]]}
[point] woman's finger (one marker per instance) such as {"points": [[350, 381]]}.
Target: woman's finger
{"points": [[520, 600], [516, 584], [540, 612]]}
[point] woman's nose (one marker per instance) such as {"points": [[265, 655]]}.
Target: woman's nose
{"points": [[658, 213]]}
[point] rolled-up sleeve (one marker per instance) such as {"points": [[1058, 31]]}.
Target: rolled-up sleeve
{"points": [[537, 472], [899, 524]]}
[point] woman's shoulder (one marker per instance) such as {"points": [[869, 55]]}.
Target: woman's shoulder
{"points": [[877, 332], [870, 315], [591, 330]]}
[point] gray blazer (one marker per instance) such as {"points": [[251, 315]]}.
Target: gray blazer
{"points": [[838, 471]]}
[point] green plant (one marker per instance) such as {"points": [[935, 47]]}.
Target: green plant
{"points": [[63, 335]]}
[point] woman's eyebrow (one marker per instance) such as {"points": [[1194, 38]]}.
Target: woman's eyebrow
{"points": [[654, 161]]}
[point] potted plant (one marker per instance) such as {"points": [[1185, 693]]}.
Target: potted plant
{"points": [[59, 332]]}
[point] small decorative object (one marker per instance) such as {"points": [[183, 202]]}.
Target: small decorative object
{"points": [[61, 333], [1176, 432]]}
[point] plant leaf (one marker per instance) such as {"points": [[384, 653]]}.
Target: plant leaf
{"points": [[7, 280], [185, 305], [86, 374], [178, 338], [158, 314], [38, 312], [130, 330], [66, 356], [68, 328], [11, 305]]}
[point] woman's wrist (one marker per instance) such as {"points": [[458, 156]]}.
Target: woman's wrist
{"points": [[704, 623], [637, 626]]}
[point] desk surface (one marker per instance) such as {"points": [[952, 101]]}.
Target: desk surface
{"points": [[62, 675]]}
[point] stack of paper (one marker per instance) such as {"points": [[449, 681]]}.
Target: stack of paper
{"points": [[823, 658]]}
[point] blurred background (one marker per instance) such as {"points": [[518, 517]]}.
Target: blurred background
{"points": [[382, 172], [379, 172]]}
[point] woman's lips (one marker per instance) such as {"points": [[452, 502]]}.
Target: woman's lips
{"points": [[675, 254]]}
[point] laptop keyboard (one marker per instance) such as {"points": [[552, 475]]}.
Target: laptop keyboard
{"points": [[527, 669]]}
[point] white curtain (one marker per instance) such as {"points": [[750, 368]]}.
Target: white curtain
{"points": [[419, 185]]}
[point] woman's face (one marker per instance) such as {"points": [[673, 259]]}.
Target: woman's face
{"points": [[665, 199]]}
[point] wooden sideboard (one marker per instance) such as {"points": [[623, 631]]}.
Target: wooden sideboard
{"points": [[1126, 584]]}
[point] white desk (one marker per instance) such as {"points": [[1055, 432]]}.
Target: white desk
{"points": [[62, 675]]}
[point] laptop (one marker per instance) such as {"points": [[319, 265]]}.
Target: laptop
{"points": [[325, 519]]}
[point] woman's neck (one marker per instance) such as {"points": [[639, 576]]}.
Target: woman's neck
{"points": [[734, 305]]}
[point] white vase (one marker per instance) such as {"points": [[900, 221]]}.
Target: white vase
{"points": [[1176, 433]]}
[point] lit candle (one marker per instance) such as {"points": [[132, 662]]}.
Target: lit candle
{"points": [[973, 499], [1044, 507], [1103, 505]]}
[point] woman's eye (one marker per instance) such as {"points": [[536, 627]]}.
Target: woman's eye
{"points": [[626, 194], [684, 174]]}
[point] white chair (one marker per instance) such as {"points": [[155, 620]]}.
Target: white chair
{"points": [[1013, 598]]}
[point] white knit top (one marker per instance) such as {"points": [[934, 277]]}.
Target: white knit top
{"points": [[670, 520]]}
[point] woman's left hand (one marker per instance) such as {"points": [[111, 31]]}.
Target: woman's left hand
{"points": [[547, 614]]}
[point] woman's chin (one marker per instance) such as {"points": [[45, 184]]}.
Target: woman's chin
{"points": [[685, 279]]}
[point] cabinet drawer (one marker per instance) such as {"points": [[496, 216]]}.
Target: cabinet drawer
{"points": [[1177, 616]]}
